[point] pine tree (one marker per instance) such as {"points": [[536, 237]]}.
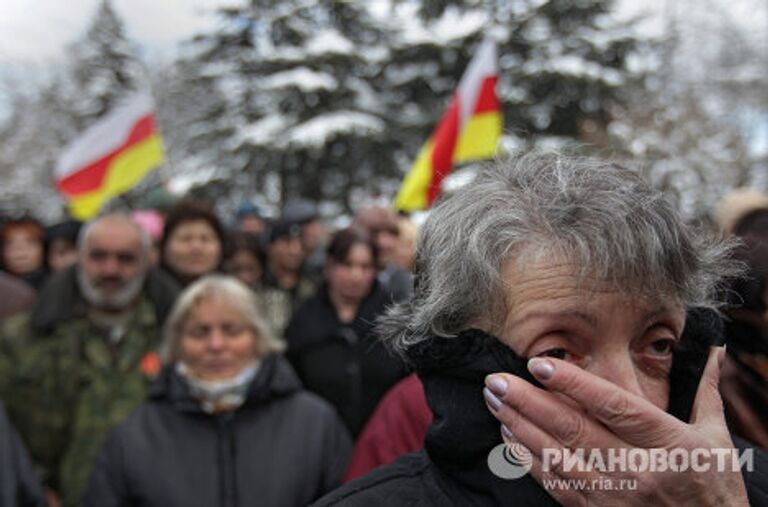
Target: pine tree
{"points": [[299, 116], [330, 99], [104, 67], [184, 101], [563, 64], [100, 69], [689, 127], [29, 145]]}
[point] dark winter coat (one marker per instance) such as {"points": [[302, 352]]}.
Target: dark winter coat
{"points": [[19, 485], [284, 447], [343, 362], [453, 468]]}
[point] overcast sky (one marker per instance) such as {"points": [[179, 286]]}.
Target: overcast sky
{"points": [[36, 31]]}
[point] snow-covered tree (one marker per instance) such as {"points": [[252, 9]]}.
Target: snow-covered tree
{"points": [[99, 70], [30, 141], [323, 98], [104, 67], [684, 150], [561, 62], [299, 113], [695, 127]]}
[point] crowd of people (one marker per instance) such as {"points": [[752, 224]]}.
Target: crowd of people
{"points": [[168, 357], [85, 306]]}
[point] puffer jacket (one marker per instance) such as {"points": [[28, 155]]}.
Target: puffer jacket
{"points": [[283, 447]]}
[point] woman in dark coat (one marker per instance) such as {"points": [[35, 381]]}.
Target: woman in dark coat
{"points": [[226, 423], [329, 338], [548, 320]]}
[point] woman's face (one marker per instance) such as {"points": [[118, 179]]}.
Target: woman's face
{"points": [[624, 339], [61, 254], [353, 278], [22, 252], [216, 341], [193, 249], [244, 266]]}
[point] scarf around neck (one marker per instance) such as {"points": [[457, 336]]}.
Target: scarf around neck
{"points": [[219, 395], [463, 431]]}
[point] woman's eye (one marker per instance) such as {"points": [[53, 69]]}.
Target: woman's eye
{"points": [[233, 329], [662, 347], [557, 353], [197, 332]]}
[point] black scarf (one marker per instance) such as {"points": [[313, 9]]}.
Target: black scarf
{"points": [[463, 431]]}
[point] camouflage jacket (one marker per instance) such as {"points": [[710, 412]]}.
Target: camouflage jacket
{"points": [[65, 388]]}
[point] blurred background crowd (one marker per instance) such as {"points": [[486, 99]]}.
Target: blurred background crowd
{"points": [[84, 308], [228, 301], [317, 291]]}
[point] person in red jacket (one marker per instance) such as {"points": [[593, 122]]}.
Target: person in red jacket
{"points": [[397, 427]]}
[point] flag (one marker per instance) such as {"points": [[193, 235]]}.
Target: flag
{"points": [[110, 157], [469, 130]]}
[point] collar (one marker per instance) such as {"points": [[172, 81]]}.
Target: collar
{"points": [[463, 431], [274, 379]]}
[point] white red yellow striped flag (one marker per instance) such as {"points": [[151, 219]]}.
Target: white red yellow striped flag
{"points": [[469, 130], [110, 157]]}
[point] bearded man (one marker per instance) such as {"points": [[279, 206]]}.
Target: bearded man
{"points": [[85, 355]]}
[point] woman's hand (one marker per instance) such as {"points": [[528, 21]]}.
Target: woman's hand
{"points": [[582, 411]]}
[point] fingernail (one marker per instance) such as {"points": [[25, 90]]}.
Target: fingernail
{"points": [[496, 384], [507, 432], [541, 368], [721, 357], [491, 399]]}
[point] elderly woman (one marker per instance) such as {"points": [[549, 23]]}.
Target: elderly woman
{"points": [[226, 422], [562, 285]]}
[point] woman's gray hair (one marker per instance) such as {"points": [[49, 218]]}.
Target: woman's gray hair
{"points": [[600, 216], [221, 288]]}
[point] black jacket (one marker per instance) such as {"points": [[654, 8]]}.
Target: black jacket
{"points": [[284, 447], [343, 362], [453, 468], [19, 485]]}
